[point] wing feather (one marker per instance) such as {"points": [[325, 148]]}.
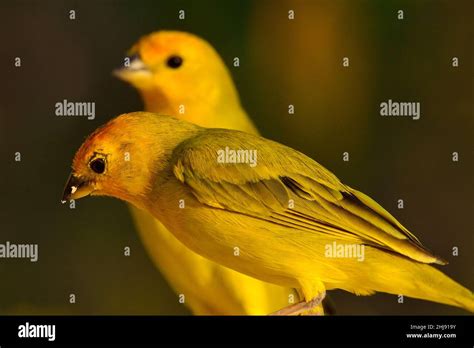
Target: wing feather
{"points": [[289, 189]]}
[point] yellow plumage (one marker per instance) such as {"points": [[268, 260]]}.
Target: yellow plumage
{"points": [[200, 91], [281, 213]]}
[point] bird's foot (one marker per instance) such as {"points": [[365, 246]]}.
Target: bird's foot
{"points": [[303, 307]]}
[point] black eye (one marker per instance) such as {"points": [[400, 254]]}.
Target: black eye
{"points": [[97, 165], [174, 62]]}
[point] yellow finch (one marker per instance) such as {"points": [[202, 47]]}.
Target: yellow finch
{"points": [[217, 190]]}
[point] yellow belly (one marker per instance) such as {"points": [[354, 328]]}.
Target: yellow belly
{"points": [[208, 288]]}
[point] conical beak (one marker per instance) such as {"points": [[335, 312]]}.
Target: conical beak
{"points": [[135, 70], [76, 188]]}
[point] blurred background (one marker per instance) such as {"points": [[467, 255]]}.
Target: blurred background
{"points": [[282, 62]]}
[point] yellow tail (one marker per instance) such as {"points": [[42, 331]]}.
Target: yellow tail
{"points": [[402, 276], [438, 287]]}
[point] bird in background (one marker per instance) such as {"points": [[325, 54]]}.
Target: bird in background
{"points": [[282, 209], [181, 75]]}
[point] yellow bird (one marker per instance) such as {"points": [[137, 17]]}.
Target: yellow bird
{"points": [[287, 214], [181, 75]]}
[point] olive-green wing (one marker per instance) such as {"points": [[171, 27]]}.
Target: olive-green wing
{"points": [[286, 187]]}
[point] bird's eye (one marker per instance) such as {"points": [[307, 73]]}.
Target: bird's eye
{"points": [[97, 165], [174, 62]]}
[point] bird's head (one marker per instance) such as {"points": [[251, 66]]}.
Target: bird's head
{"points": [[121, 158], [177, 73]]}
